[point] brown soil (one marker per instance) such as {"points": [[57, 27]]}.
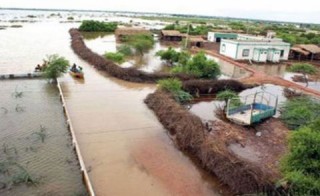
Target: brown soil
{"points": [[264, 151]]}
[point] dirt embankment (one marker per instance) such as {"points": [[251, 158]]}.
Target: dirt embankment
{"points": [[128, 74], [209, 147], [204, 87]]}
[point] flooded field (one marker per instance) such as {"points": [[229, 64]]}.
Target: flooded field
{"points": [[125, 148], [34, 137]]}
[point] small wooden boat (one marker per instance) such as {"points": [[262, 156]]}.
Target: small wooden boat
{"points": [[78, 74]]}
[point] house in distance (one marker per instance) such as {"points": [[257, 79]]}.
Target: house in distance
{"points": [[253, 48]]}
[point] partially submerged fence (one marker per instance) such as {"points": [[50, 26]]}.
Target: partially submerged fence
{"points": [[22, 75], [84, 172]]}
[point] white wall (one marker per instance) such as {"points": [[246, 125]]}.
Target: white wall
{"points": [[230, 49], [211, 37], [235, 49]]}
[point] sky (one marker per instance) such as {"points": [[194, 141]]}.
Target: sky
{"points": [[281, 10]]}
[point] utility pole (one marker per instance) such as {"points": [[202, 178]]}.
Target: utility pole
{"points": [[186, 44]]}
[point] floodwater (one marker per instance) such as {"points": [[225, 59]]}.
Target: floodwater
{"points": [[148, 63], [205, 109], [280, 70], [51, 162], [125, 148]]}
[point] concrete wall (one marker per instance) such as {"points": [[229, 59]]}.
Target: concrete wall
{"points": [[211, 37], [236, 49], [228, 49]]}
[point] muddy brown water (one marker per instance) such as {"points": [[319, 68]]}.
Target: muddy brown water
{"points": [[125, 148], [51, 162], [205, 109]]}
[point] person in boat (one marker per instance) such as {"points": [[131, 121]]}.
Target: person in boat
{"points": [[74, 68]]}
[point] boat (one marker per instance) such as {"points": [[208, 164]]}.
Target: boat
{"points": [[77, 74]]}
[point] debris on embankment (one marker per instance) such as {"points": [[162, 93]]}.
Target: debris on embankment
{"points": [[209, 149]]}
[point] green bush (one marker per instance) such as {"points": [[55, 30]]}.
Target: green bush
{"points": [[170, 55], [141, 43], [115, 57], [174, 86], [97, 26], [125, 50], [299, 112], [200, 66], [301, 166], [170, 84], [56, 66]]}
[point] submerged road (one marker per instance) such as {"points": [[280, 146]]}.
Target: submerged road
{"points": [[125, 149]]}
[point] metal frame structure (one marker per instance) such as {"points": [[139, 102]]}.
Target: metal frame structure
{"points": [[252, 108]]}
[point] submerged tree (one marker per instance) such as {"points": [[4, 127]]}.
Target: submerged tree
{"points": [[303, 68], [56, 66], [200, 66], [141, 43]]}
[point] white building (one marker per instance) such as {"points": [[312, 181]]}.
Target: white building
{"points": [[255, 50], [258, 38]]}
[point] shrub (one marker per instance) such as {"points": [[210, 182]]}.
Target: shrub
{"points": [[301, 166], [125, 50], [199, 66], [115, 57], [141, 43], [56, 66], [226, 95], [299, 112], [174, 86], [92, 25], [171, 56]]}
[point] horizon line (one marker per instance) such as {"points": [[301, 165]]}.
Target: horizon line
{"points": [[159, 13]]}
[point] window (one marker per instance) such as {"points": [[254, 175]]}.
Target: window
{"points": [[245, 52], [282, 53], [223, 48]]}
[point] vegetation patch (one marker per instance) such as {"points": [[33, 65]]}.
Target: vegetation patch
{"points": [[116, 57], [200, 66], [56, 67], [305, 69], [141, 43], [174, 86], [299, 112], [197, 30], [97, 26], [301, 166]]}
